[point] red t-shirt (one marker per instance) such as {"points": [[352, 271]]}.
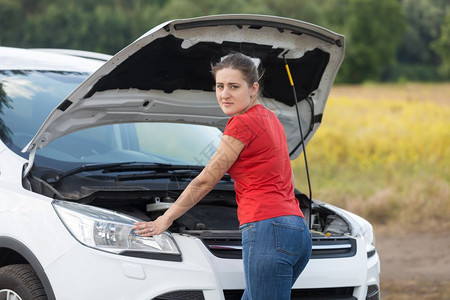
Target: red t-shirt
{"points": [[262, 173]]}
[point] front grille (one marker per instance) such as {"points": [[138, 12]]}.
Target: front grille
{"points": [[323, 247], [343, 293], [182, 295], [371, 253], [224, 247], [373, 292], [333, 247]]}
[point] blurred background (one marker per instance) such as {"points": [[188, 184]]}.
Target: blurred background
{"points": [[383, 149], [388, 40]]}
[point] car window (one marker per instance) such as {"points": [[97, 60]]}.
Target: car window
{"points": [[194, 144], [137, 142], [27, 98]]}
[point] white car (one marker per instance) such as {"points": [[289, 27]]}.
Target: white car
{"points": [[88, 147]]}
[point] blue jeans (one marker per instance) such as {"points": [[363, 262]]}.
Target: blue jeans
{"points": [[274, 251]]}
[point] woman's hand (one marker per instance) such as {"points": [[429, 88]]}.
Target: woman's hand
{"points": [[152, 228]]}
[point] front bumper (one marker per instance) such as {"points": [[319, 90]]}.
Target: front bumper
{"points": [[85, 273]]}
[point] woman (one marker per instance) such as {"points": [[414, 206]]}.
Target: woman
{"points": [[276, 242]]}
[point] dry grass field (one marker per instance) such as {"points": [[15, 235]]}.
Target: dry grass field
{"points": [[383, 152]]}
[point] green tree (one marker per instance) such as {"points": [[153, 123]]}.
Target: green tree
{"points": [[11, 19], [425, 18], [103, 25], [175, 9], [309, 11], [378, 47], [374, 30], [442, 47], [416, 58]]}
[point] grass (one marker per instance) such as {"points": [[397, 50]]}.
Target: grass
{"points": [[383, 152]]}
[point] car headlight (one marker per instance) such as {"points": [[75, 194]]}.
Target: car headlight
{"points": [[369, 237], [112, 232], [362, 228]]}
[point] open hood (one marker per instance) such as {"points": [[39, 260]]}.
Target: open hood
{"points": [[165, 76]]}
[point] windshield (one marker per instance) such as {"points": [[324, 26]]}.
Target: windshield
{"points": [[28, 97]]}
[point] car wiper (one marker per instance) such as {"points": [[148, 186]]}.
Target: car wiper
{"points": [[159, 171], [157, 167], [172, 174], [87, 167]]}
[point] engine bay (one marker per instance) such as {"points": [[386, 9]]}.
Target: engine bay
{"points": [[216, 212]]}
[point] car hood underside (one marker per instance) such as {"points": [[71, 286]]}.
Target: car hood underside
{"points": [[165, 76]]}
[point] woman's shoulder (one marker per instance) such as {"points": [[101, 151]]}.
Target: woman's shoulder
{"points": [[256, 110], [254, 115]]}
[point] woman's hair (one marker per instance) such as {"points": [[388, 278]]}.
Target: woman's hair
{"points": [[240, 62]]}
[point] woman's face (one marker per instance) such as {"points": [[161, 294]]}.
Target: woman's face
{"points": [[233, 93]]}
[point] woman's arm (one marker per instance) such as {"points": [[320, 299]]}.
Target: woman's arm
{"points": [[226, 154]]}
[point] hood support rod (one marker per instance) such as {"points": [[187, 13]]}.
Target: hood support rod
{"points": [[301, 136], [30, 162]]}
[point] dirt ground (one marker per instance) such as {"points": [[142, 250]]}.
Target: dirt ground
{"points": [[414, 265]]}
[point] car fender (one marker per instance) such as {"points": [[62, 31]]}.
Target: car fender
{"points": [[7, 243]]}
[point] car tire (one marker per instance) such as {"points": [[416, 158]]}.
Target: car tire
{"points": [[20, 282]]}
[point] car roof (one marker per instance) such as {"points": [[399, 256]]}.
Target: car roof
{"points": [[79, 53], [29, 59]]}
